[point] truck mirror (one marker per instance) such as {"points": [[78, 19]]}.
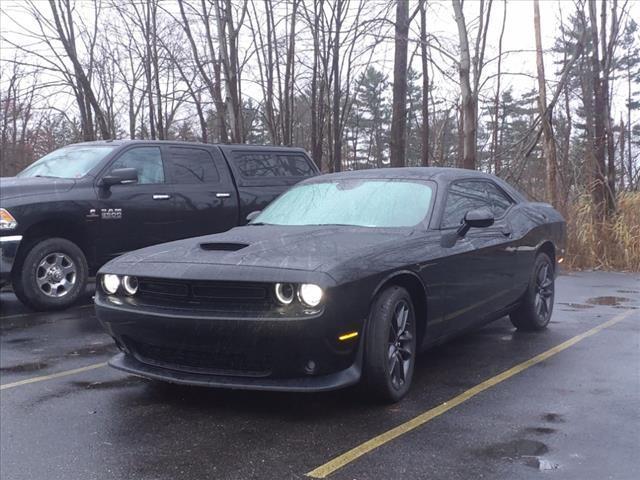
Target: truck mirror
{"points": [[120, 176]]}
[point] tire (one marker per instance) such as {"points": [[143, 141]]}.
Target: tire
{"points": [[388, 379], [536, 307], [51, 275]]}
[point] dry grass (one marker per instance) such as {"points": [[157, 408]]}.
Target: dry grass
{"points": [[613, 245]]}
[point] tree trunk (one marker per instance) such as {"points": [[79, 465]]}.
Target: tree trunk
{"points": [[467, 108], [337, 134], [599, 187], [425, 84], [546, 114], [398, 143], [496, 102]]}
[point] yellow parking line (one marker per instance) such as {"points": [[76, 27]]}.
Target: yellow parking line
{"points": [[340, 461], [53, 375]]}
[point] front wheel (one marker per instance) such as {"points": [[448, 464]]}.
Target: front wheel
{"points": [[52, 275], [390, 347], [535, 310]]}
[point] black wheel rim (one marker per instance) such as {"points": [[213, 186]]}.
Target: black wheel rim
{"points": [[400, 348], [544, 292]]}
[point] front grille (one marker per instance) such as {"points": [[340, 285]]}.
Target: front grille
{"points": [[219, 359], [218, 294]]}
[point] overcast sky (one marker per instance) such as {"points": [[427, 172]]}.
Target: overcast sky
{"points": [[518, 37]]}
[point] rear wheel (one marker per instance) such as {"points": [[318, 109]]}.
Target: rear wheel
{"points": [[390, 347], [535, 310], [52, 275]]}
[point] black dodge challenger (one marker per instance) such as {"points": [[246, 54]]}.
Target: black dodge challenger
{"points": [[345, 277]]}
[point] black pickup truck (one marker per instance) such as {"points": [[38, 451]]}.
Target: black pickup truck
{"points": [[76, 208]]}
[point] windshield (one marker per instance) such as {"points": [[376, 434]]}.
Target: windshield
{"points": [[357, 202], [68, 162]]}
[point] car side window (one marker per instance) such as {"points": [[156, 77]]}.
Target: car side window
{"points": [[500, 203], [146, 160], [191, 166], [267, 164], [462, 197]]}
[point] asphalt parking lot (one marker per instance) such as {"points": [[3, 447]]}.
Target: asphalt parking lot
{"points": [[496, 403]]}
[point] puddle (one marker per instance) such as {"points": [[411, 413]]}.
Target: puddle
{"points": [[92, 350], [553, 418], [121, 382], [541, 464], [20, 340], [607, 300], [577, 306], [517, 448], [541, 430], [24, 367]]}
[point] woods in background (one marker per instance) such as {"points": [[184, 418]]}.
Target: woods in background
{"points": [[313, 73]]}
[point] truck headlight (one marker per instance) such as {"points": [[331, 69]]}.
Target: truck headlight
{"points": [[310, 294], [110, 283], [7, 222]]}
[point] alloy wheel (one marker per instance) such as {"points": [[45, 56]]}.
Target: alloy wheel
{"points": [[544, 291], [56, 275], [400, 349]]}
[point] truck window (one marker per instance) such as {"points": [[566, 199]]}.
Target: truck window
{"points": [[191, 165], [146, 160], [269, 164]]}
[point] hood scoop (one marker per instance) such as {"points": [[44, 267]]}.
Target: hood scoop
{"points": [[222, 247]]}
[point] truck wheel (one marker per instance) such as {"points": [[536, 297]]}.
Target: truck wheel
{"points": [[52, 275], [390, 348], [535, 310]]}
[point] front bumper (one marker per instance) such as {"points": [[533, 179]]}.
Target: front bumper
{"points": [[8, 251], [194, 347]]}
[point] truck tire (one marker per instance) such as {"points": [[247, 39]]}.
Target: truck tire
{"points": [[51, 275]]}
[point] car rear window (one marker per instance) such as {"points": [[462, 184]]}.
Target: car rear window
{"points": [[256, 165]]}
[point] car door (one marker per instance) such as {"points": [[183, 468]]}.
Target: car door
{"points": [[205, 196], [135, 215], [479, 267]]}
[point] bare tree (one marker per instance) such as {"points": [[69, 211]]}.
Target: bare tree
{"points": [[546, 114]]}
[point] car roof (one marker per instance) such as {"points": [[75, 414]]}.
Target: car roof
{"points": [[437, 174], [244, 146], [424, 173]]}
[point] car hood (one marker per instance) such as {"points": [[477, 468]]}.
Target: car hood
{"points": [[293, 248], [13, 187]]}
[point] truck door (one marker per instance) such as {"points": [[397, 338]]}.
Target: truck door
{"points": [[205, 195], [132, 216]]}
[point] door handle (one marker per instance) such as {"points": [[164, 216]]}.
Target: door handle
{"points": [[223, 195], [162, 196]]}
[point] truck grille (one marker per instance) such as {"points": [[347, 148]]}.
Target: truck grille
{"points": [[219, 359]]}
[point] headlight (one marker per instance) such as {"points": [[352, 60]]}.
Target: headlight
{"points": [[310, 294], [7, 222], [285, 293], [130, 284], [110, 283]]}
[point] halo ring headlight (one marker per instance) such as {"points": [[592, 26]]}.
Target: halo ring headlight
{"points": [[285, 292], [130, 284], [110, 283], [310, 294]]}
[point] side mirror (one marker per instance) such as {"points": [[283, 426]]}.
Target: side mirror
{"points": [[477, 218], [120, 176], [253, 215]]}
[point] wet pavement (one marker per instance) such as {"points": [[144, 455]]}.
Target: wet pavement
{"points": [[575, 415]]}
